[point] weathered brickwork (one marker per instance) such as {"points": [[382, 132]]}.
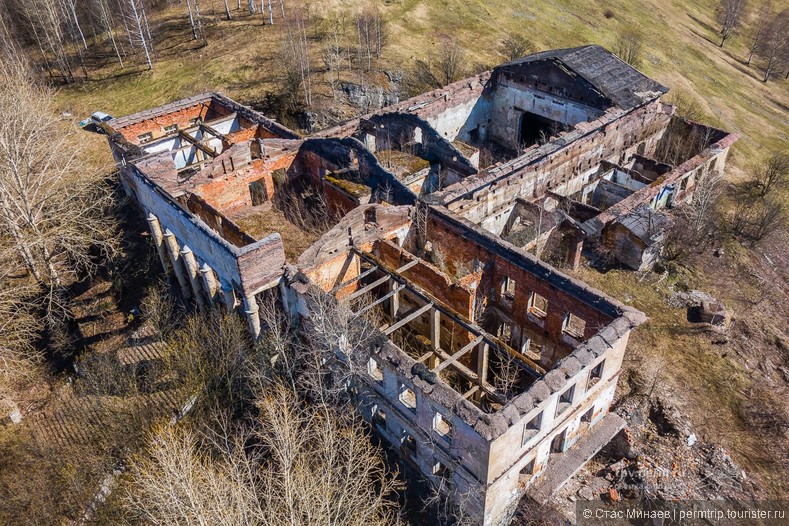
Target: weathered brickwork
{"points": [[489, 361]]}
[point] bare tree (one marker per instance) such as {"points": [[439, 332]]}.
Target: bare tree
{"points": [[705, 195], [763, 17], [774, 47], [629, 45], [18, 328], [450, 61], [514, 47], [209, 356], [297, 465], [51, 208], [774, 174], [334, 337], [730, 14], [139, 32], [372, 34], [108, 22], [334, 52], [439, 69], [298, 56]]}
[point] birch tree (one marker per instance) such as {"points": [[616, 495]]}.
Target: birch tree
{"points": [[297, 57], [298, 464], [51, 211], [139, 31], [763, 17], [730, 14], [774, 47]]}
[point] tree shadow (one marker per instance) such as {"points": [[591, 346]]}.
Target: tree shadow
{"points": [[704, 37], [703, 24]]}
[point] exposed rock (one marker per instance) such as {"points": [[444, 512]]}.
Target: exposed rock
{"points": [[712, 312], [369, 98]]}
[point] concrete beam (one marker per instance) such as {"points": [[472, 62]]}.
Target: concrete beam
{"points": [[435, 328], [408, 318], [395, 290], [368, 288], [394, 301], [459, 354]]}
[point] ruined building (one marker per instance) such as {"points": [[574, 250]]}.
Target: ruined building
{"points": [[493, 372]]}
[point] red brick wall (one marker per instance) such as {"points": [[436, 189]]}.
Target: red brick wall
{"points": [[155, 125], [428, 278], [230, 193], [458, 250], [338, 201]]}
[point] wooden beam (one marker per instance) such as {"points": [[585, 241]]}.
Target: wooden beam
{"points": [[407, 266], [198, 144], [482, 362], [354, 279], [471, 376], [425, 357], [368, 288], [456, 356], [379, 300], [470, 392], [408, 318]]}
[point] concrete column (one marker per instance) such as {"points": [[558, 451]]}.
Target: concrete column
{"points": [[435, 336], [576, 248], [209, 283], [251, 310], [394, 299], [158, 241], [193, 273], [229, 295], [175, 259], [435, 328], [482, 362]]}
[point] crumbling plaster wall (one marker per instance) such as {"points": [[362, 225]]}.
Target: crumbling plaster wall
{"points": [[155, 125], [399, 132], [317, 157], [562, 166], [454, 295], [711, 159], [513, 98], [513, 450], [248, 269]]}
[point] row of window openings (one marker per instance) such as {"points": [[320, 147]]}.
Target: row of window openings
{"points": [[534, 425], [441, 425], [408, 442], [148, 136], [538, 307]]}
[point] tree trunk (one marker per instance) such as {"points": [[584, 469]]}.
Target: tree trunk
{"points": [[191, 19], [141, 33]]}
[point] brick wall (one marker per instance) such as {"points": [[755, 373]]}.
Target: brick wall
{"points": [[155, 125], [460, 247], [427, 277]]}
